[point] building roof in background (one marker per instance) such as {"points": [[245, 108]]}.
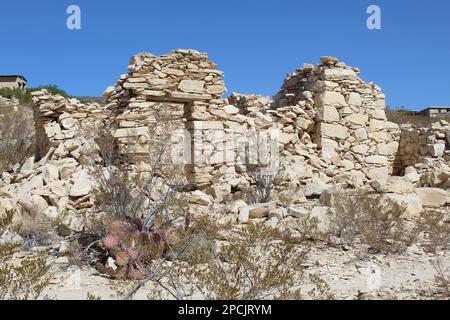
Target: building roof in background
{"points": [[14, 76], [437, 107]]}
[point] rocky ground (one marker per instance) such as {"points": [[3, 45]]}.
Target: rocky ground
{"points": [[350, 274]]}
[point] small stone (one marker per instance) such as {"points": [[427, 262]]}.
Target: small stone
{"points": [[244, 215], [191, 86], [62, 260], [261, 210], [109, 91], [82, 185], [297, 212], [328, 59], [200, 198], [315, 188], [278, 213], [231, 109]]}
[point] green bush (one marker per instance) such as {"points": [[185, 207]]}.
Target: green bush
{"points": [[11, 93], [24, 95], [17, 136], [52, 89]]}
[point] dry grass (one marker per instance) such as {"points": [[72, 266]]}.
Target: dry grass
{"points": [[437, 229], [17, 136], [404, 116], [20, 280], [442, 281]]}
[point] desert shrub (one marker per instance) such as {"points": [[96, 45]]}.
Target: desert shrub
{"points": [[23, 281], [262, 168], [17, 132], [404, 116], [52, 89], [442, 281], [261, 185], [255, 262], [437, 228], [10, 93], [259, 262], [140, 206], [24, 95], [90, 296], [20, 280], [153, 191], [376, 221]]}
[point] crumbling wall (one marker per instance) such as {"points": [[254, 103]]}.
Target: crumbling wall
{"points": [[176, 88], [56, 184], [182, 87], [417, 144], [344, 116], [64, 125]]}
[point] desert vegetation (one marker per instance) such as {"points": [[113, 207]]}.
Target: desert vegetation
{"points": [[17, 132], [20, 279], [402, 115], [24, 95]]}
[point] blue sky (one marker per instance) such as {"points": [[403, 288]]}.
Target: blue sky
{"points": [[256, 43]]}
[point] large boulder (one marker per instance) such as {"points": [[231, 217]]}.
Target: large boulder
{"points": [[82, 185], [381, 173], [433, 197], [34, 204], [323, 217], [397, 185], [330, 196], [411, 201]]}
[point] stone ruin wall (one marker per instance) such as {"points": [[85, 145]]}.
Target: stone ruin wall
{"points": [[324, 117], [185, 87], [178, 88], [63, 125], [419, 146], [344, 116]]}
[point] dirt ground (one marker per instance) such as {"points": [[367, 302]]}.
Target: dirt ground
{"points": [[350, 273]]}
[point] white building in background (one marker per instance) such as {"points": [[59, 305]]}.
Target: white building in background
{"points": [[13, 82], [435, 112]]}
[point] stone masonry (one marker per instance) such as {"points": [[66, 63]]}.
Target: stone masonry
{"points": [[324, 127]]}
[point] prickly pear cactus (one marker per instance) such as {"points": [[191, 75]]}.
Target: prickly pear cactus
{"points": [[130, 248]]}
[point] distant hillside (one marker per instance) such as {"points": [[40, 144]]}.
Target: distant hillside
{"points": [[86, 99]]}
